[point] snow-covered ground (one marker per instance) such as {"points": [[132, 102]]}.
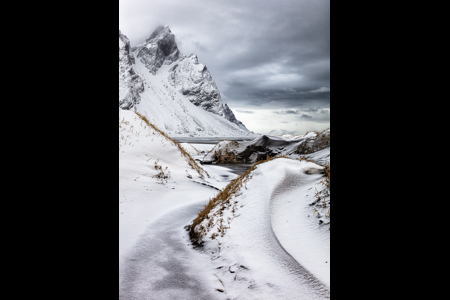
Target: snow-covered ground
{"points": [[275, 247], [143, 197], [268, 240], [153, 212]]}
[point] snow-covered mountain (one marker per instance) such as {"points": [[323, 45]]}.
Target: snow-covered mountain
{"points": [[178, 94]]}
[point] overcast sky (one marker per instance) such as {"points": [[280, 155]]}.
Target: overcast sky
{"points": [[270, 59]]}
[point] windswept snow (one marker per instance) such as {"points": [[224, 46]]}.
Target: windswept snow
{"points": [[155, 259], [174, 113], [272, 246]]}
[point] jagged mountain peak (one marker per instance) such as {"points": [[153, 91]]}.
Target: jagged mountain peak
{"points": [[160, 48], [161, 31]]}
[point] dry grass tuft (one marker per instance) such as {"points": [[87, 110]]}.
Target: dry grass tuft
{"points": [[184, 153], [323, 197], [226, 157], [223, 200], [311, 145]]}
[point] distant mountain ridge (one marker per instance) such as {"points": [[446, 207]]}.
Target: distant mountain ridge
{"points": [[166, 75], [281, 132]]}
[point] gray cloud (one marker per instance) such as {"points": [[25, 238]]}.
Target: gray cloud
{"points": [[305, 117], [288, 112], [245, 111], [262, 54]]}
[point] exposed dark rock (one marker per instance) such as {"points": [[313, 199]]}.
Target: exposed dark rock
{"points": [[311, 145], [159, 48], [130, 84], [266, 145]]}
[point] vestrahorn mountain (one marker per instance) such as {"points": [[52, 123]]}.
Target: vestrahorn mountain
{"points": [[174, 91]]}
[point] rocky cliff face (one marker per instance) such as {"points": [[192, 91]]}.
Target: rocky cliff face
{"points": [[160, 48], [186, 74], [130, 84]]}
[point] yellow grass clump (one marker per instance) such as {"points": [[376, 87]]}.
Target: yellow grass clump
{"points": [[223, 199], [184, 153]]}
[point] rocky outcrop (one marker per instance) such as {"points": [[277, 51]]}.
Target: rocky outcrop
{"points": [[266, 145], [229, 115], [160, 48], [130, 84], [315, 143]]}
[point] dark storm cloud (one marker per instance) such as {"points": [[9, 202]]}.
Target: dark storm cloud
{"points": [[277, 98], [312, 110], [317, 116], [267, 54]]}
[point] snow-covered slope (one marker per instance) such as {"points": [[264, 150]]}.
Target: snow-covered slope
{"points": [[151, 171], [156, 182], [180, 96], [266, 239]]}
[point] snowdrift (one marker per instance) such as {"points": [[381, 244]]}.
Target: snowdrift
{"points": [[269, 236]]}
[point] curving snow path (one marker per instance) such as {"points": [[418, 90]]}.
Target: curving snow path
{"points": [[163, 265]]}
